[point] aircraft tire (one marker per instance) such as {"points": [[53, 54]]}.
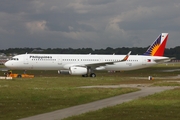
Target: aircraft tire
{"points": [[86, 75], [19, 76], [93, 75]]}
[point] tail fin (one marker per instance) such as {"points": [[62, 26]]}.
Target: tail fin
{"points": [[158, 46]]}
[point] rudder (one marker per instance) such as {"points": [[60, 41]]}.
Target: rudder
{"points": [[158, 46]]}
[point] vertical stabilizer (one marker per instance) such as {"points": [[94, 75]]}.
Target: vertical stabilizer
{"points": [[158, 46]]}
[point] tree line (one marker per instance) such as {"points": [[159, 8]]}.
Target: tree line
{"points": [[169, 52]]}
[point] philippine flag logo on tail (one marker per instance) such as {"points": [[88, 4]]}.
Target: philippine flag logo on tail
{"points": [[158, 46]]}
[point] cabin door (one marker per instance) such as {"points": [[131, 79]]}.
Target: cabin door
{"points": [[59, 60], [144, 61], [26, 59]]}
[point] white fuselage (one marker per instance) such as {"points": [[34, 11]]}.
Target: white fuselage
{"points": [[65, 61]]}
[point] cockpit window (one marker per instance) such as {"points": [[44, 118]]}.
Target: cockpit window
{"points": [[14, 59]]}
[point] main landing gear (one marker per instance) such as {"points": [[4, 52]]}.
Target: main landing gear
{"points": [[91, 75], [90, 72]]}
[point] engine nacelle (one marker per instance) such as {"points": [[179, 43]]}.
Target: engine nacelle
{"points": [[78, 70], [63, 71]]}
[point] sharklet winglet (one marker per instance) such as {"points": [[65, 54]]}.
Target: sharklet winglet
{"points": [[127, 56]]}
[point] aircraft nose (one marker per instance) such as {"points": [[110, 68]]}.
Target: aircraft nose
{"points": [[7, 64]]}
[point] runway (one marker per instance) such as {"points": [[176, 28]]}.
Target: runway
{"points": [[76, 110], [4, 69]]}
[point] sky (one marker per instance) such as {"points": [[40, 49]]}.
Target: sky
{"points": [[87, 23]]}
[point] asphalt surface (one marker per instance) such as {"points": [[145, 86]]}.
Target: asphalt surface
{"points": [[4, 69], [76, 110]]}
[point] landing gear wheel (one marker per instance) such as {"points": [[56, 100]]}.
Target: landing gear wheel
{"points": [[86, 75], [19, 76], [92, 75]]}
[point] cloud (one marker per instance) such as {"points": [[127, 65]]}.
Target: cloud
{"points": [[87, 23], [113, 25], [36, 26]]}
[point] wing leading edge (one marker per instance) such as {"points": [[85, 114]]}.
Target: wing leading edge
{"points": [[94, 65]]}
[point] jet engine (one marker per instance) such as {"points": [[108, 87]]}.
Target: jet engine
{"points": [[63, 71], [78, 70]]}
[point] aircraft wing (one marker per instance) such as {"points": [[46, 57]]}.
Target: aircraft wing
{"points": [[94, 65]]}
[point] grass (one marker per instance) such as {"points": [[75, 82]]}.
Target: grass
{"points": [[26, 97], [49, 91], [160, 106], [167, 83]]}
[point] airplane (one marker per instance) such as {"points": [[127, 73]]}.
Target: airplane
{"points": [[86, 64]]}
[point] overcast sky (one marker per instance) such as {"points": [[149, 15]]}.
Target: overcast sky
{"points": [[87, 23]]}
